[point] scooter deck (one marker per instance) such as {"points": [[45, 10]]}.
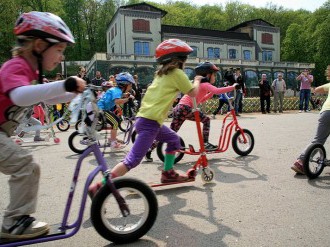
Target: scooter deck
{"points": [[54, 230], [157, 184]]}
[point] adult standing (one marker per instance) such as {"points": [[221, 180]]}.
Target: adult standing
{"points": [[239, 92], [305, 89], [279, 87], [98, 79], [265, 91], [82, 74]]}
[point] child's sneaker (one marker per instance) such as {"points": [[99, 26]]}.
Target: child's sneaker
{"points": [[85, 141], [116, 146], [148, 157], [172, 176], [38, 139], [298, 168], [209, 146], [24, 228]]}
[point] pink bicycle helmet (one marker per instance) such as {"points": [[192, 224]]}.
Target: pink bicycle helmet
{"points": [[43, 25]]}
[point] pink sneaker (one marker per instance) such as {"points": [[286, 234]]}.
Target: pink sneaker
{"points": [[172, 176], [116, 146], [298, 168]]}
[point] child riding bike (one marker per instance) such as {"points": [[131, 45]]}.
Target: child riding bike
{"points": [[41, 41], [108, 102]]}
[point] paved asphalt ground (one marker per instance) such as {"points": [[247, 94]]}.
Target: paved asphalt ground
{"points": [[255, 200]]}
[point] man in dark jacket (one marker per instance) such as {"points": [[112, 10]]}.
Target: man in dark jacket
{"points": [[265, 92]]}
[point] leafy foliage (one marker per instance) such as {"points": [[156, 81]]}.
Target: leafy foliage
{"points": [[304, 34]]}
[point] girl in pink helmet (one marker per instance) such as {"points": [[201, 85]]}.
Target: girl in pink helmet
{"points": [[41, 41]]}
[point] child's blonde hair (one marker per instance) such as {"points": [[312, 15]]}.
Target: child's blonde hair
{"points": [[21, 47], [175, 63]]}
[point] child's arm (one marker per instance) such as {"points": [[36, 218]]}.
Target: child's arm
{"points": [[32, 94], [197, 80]]}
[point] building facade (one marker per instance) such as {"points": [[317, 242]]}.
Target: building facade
{"points": [[135, 31]]}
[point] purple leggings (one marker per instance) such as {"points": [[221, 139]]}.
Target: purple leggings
{"points": [[148, 131], [184, 112]]}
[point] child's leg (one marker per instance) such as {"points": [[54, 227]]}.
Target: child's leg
{"points": [[147, 131]]}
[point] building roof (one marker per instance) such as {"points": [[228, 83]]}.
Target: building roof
{"points": [[144, 7], [205, 32], [251, 23]]}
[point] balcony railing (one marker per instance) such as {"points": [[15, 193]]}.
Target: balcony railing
{"points": [[131, 58]]}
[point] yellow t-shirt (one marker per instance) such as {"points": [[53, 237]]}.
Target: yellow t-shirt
{"points": [[326, 105], [161, 93]]}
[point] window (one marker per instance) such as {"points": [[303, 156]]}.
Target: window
{"points": [[141, 48], [247, 55], [267, 56], [112, 33], [267, 38], [140, 25], [194, 53], [232, 54], [213, 52]]}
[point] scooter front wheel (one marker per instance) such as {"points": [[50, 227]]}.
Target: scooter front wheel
{"points": [[108, 220], [161, 151], [240, 146], [207, 175], [314, 160]]}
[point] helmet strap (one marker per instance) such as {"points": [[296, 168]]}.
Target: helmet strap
{"points": [[39, 61]]}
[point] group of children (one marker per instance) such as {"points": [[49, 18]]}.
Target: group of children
{"points": [[41, 41]]}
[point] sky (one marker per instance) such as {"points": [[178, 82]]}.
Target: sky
{"points": [[310, 5]]}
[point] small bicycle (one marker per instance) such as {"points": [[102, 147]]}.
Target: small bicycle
{"points": [[242, 140], [315, 160], [122, 211], [75, 144]]}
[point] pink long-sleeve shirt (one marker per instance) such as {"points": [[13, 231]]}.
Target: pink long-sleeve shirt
{"points": [[206, 91]]}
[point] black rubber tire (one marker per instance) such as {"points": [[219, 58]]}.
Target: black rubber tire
{"points": [[124, 125], [161, 154], [64, 125], [99, 126], [311, 160], [107, 228], [235, 142], [71, 142]]}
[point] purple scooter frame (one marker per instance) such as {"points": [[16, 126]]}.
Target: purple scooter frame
{"points": [[140, 219]]}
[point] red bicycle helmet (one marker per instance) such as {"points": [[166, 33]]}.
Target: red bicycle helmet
{"points": [[172, 48], [43, 25], [206, 68]]}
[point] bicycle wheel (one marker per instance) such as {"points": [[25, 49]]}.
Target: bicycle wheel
{"points": [[161, 151], [75, 144], [99, 126], [125, 124], [108, 220], [314, 160], [64, 125], [240, 147]]}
